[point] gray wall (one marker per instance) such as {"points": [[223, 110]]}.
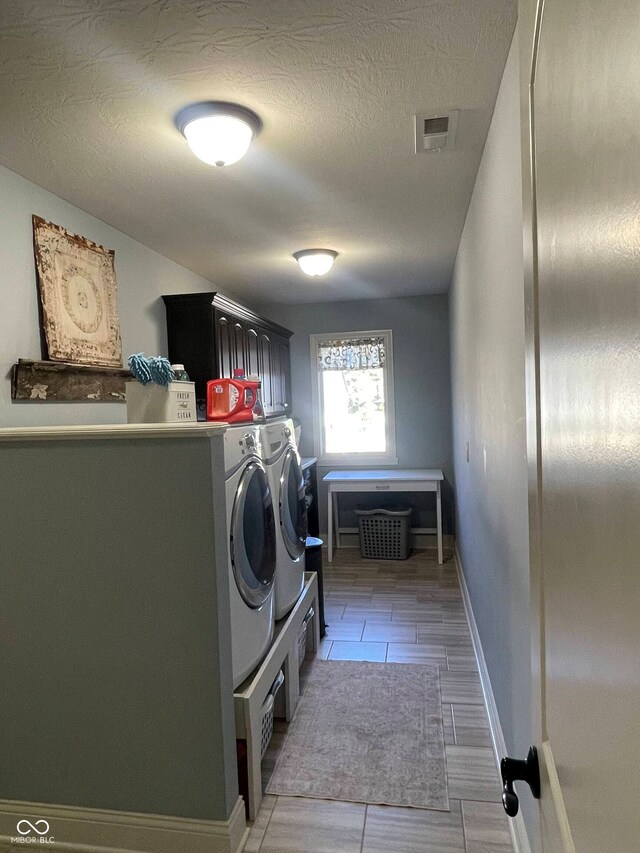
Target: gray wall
{"points": [[421, 379], [488, 395], [142, 275], [116, 661]]}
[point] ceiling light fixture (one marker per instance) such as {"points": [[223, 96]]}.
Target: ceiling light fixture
{"points": [[315, 261], [217, 132]]}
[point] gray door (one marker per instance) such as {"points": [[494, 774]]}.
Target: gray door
{"points": [[584, 408]]}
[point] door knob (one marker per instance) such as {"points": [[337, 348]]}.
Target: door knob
{"points": [[512, 771]]}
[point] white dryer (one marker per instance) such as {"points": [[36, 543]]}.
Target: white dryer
{"points": [[287, 486], [252, 549]]}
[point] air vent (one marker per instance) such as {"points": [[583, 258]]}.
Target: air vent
{"points": [[436, 125], [435, 133]]}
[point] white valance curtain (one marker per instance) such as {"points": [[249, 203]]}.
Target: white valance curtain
{"points": [[352, 354]]}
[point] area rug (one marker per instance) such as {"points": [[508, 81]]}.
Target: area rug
{"points": [[366, 733]]}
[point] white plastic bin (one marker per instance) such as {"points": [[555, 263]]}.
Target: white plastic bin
{"points": [[302, 636], [266, 725]]}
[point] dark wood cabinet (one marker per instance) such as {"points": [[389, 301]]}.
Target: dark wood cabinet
{"points": [[212, 335]]}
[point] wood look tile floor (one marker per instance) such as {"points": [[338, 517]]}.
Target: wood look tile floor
{"points": [[409, 611]]}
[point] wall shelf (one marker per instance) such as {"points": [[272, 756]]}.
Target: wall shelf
{"points": [[54, 381]]}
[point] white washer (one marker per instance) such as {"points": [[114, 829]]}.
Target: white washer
{"points": [[252, 549], [287, 486]]}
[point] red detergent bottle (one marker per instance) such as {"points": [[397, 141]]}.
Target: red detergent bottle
{"points": [[235, 400]]}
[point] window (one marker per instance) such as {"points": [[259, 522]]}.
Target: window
{"points": [[352, 387]]}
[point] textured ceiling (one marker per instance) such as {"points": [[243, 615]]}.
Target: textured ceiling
{"points": [[89, 89]]}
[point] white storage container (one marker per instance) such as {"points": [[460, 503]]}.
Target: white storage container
{"points": [[266, 714], [153, 404], [302, 636]]}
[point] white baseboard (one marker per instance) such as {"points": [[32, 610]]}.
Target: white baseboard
{"points": [[517, 827], [73, 829]]}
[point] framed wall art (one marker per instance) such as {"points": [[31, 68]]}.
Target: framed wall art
{"points": [[78, 297]]}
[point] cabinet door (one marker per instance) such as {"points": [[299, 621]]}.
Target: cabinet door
{"points": [[239, 346], [277, 383], [224, 337], [252, 344], [265, 371], [281, 375], [231, 344]]}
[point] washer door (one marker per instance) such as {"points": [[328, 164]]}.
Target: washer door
{"points": [[293, 507], [253, 536]]}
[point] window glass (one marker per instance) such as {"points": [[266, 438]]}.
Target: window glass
{"points": [[354, 411], [353, 397]]}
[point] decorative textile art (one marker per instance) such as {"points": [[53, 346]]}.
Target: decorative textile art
{"points": [[354, 354], [77, 286]]}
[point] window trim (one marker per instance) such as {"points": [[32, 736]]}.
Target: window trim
{"points": [[353, 460]]}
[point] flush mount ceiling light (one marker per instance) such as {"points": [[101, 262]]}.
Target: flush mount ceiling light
{"points": [[217, 132], [315, 261]]}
